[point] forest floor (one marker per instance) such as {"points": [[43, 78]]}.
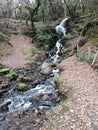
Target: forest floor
{"points": [[80, 111]]}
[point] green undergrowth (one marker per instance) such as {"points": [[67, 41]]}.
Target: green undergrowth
{"points": [[4, 38], [5, 45], [87, 58], [12, 75], [45, 34]]}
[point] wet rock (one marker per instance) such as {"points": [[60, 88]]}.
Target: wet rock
{"points": [[4, 107], [4, 88], [56, 59], [2, 118], [46, 68], [2, 92], [55, 73], [42, 96]]}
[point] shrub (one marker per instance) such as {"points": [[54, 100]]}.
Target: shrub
{"points": [[46, 35], [90, 58], [87, 58], [81, 56]]}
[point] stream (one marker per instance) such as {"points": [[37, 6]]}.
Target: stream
{"points": [[40, 96]]}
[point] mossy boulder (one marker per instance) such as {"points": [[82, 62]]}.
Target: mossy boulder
{"points": [[46, 68], [4, 71], [22, 87]]}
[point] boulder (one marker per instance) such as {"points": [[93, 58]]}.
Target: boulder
{"points": [[4, 71], [46, 68]]}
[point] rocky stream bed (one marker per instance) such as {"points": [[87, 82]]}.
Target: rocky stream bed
{"points": [[27, 93]]}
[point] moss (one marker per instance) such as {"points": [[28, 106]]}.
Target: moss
{"points": [[34, 60], [22, 87], [23, 79], [5, 49], [4, 71], [12, 75], [4, 38]]}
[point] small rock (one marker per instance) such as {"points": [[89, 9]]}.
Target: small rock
{"points": [[22, 87]]}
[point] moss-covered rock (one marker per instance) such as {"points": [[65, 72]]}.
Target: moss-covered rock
{"points": [[4, 71], [12, 75], [22, 87], [46, 68]]}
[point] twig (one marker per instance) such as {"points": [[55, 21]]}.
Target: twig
{"points": [[94, 58]]}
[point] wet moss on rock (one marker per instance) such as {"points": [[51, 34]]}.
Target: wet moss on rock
{"points": [[22, 87], [12, 75]]}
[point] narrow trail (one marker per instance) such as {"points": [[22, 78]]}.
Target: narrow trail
{"points": [[84, 113], [17, 59]]}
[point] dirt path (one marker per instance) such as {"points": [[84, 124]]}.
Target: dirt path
{"points": [[84, 114], [17, 59]]}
